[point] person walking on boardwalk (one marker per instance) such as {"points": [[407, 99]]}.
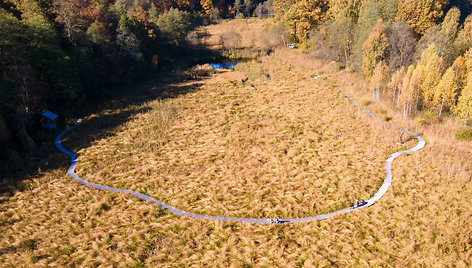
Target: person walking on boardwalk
{"points": [[355, 203]]}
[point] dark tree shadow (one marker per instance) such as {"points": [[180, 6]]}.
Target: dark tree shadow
{"points": [[163, 84], [110, 114]]}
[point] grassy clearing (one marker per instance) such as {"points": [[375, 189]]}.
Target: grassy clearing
{"points": [[226, 142], [273, 148], [250, 30]]}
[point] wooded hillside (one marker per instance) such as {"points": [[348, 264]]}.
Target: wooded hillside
{"points": [[67, 55]]}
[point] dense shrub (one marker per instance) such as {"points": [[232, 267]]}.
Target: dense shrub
{"points": [[240, 16], [174, 24], [274, 35], [230, 39], [464, 134]]}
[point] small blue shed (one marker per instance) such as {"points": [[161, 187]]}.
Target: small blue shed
{"points": [[48, 120]]}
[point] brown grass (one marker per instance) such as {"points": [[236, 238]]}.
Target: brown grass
{"points": [[226, 144], [251, 30], [279, 148]]}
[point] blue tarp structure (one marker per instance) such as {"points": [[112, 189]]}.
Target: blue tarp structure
{"points": [[230, 65], [227, 65], [48, 120], [50, 115]]}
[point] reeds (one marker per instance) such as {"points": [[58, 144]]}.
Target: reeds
{"points": [[287, 147]]}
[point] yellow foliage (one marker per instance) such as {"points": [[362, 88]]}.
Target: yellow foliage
{"points": [[184, 4], [450, 23], [445, 92], [468, 60], [395, 85], [408, 90], [344, 8], [374, 48], [300, 16], [464, 104], [379, 79], [207, 6], [429, 69], [420, 14], [466, 33], [460, 71]]}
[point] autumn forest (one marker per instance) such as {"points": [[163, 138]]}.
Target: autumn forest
{"points": [[245, 133], [70, 55]]}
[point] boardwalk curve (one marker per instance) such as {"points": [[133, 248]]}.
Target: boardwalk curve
{"points": [[379, 194]]}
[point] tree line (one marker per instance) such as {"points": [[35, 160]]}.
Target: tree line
{"points": [[416, 54], [64, 55]]}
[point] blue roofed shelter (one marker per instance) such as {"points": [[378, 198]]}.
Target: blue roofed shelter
{"points": [[48, 120]]}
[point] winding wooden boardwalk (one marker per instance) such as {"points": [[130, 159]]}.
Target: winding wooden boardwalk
{"points": [[379, 194]]}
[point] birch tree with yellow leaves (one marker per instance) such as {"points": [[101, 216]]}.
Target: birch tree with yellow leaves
{"points": [[420, 14], [445, 92], [373, 50], [407, 92], [395, 85], [429, 69], [464, 105], [379, 80]]}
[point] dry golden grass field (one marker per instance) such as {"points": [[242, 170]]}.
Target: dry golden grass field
{"points": [[290, 146], [250, 30]]}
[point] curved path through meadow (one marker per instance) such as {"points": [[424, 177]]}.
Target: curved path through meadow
{"points": [[382, 190]]}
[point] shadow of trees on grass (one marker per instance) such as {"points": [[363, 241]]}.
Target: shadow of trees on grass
{"points": [[167, 83], [108, 115]]}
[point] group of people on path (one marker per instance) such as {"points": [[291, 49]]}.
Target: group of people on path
{"points": [[357, 203]]}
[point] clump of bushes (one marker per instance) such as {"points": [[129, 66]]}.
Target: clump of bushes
{"points": [[366, 102], [174, 25], [239, 16], [428, 117], [230, 39], [464, 134], [275, 35], [252, 69]]}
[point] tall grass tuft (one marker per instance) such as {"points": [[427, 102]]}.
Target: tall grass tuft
{"points": [[464, 134]]}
